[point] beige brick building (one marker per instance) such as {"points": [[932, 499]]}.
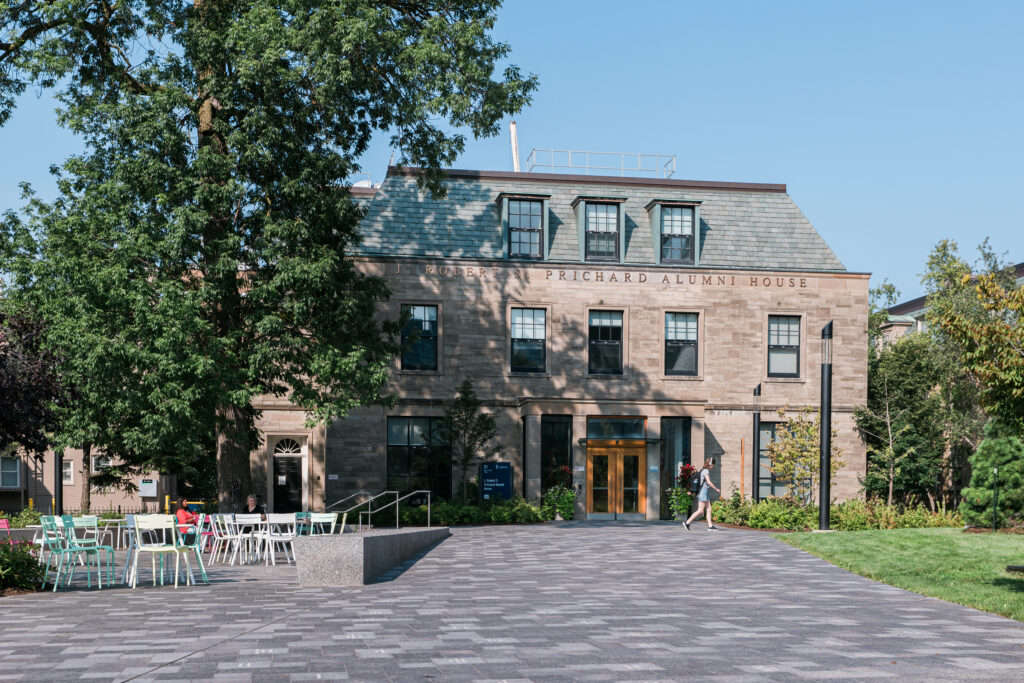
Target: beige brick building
{"points": [[617, 327]]}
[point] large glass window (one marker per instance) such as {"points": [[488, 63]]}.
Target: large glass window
{"points": [[675, 451], [783, 346], [605, 343], [680, 343], [419, 338], [555, 451], [67, 474], [525, 228], [10, 473], [616, 427], [602, 232], [528, 335], [417, 458], [677, 234], [768, 485]]}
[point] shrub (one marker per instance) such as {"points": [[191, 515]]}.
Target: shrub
{"points": [[501, 514], [560, 499], [679, 501], [1007, 454], [18, 567], [524, 512], [25, 518]]}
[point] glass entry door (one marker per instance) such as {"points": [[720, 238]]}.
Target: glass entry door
{"points": [[616, 481]]}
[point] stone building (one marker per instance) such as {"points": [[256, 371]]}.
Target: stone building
{"points": [[617, 327]]}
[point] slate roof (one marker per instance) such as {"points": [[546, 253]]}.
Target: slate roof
{"points": [[743, 225]]}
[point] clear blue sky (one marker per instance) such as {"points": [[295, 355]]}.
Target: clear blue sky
{"points": [[894, 124]]}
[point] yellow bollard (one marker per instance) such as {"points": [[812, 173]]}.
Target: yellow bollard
{"points": [[53, 505], [167, 504], [30, 504]]}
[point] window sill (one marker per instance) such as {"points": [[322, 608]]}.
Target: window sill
{"points": [[597, 376], [683, 378], [527, 375], [785, 380], [422, 373]]}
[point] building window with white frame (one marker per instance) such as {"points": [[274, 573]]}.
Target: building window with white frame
{"points": [[602, 226], [10, 473], [419, 338], [67, 473], [681, 344], [783, 346], [605, 346], [100, 463], [525, 228], [529, 336], [677, 234]]}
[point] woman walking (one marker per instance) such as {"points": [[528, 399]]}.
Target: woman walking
{"points": [[703, 504]]}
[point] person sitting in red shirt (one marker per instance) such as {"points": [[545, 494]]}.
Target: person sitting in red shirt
{"points": [[187, 521]]}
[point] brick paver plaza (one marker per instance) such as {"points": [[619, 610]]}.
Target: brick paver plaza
{"points": [[570, 602]]}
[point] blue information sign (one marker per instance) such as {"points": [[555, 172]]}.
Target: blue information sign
{"points": [[496, 480]]}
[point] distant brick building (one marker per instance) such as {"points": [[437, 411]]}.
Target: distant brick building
{"points": [[617, 327]]}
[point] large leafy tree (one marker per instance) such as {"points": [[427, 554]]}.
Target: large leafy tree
{"points": [[31, 390], [901, 424], [795, 453], [213, 193]]}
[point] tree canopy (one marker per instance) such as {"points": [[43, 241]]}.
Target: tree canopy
{"points": [[209, 221]]}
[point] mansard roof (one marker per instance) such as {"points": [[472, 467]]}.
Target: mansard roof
{"points": [[742, 225]]}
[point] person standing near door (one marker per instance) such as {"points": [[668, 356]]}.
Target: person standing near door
{"points": [[703, 504]]}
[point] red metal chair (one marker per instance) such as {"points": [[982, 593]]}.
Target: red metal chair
{"points": [[5, 526]]}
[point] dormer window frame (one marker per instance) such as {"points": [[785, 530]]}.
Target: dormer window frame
{"points": [[654, 212], [579, 205], [503, 200]]}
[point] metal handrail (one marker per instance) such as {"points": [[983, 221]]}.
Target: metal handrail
{"points": [[368, 500], [357, 493], [395, 502]]}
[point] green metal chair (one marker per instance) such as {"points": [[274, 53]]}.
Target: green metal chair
{"points": [[87, 548], [317, 521], [302, 525], [54, 546]]}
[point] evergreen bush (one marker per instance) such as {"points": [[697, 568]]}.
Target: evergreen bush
{"points": [[1006, 454]]}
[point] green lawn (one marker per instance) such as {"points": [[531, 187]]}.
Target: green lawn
{"points": [[969, 569]]}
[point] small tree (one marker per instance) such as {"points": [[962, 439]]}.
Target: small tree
{"points": [[1006, 454], [796, 453], [470, 432]]}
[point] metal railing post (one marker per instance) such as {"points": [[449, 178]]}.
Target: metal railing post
{"points": [[396, 510]]}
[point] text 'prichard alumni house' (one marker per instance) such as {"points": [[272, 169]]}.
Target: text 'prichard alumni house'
{"points": [[617, 327]]}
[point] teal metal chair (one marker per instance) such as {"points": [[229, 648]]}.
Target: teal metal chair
{"points": [[323, 522], [53, 546], [196, 545], [302, 524], [87, 548]]}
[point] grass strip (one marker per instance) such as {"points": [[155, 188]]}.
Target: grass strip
{"points": [[968, 569]]}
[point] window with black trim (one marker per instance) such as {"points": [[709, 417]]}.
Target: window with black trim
{"points": [[529, 336], [417, 457], [783, 346], [602, 225], [605, 348], [681, 344], [419, 338], [555, 451], [677, 234], [525, 228], [767, 484], [10, 473]]}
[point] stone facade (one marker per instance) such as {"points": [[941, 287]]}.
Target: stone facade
{"points": [[442, 253]]}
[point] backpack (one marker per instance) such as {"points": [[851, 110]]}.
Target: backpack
{"points": [[694, 485]]}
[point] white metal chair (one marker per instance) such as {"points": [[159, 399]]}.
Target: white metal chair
{"points": [[168, 545], [225, 538], [280, 532], [249, 527], [319, 520]]}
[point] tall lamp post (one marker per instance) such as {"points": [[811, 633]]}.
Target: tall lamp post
{"points": [[58, 482], [825, 475], [755, 451]]}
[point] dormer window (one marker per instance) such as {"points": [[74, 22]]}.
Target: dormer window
{"points": [[675, 231], [524, 225], [599, 222], [525, 228], [677, 234]]}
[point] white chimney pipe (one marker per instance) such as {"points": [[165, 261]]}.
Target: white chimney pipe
{"points": [[515, 146]]}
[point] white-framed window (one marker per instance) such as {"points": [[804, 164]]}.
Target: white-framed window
{"points": [[602, 222], [100, 463], [681, 344], [529, 334], [783, 346], [10, 473], [67, 473]]}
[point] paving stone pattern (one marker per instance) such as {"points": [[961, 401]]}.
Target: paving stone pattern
{"points": [[588, 601]]}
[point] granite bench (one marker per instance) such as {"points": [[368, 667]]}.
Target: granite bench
{"points": [[359, 558]]}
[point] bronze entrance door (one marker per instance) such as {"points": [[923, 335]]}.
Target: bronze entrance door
{"points": [[616, 480]]}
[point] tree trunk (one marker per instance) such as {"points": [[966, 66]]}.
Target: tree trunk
{"points": [[931, 501], [234, 478], [86, 477], [892, 476]]}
